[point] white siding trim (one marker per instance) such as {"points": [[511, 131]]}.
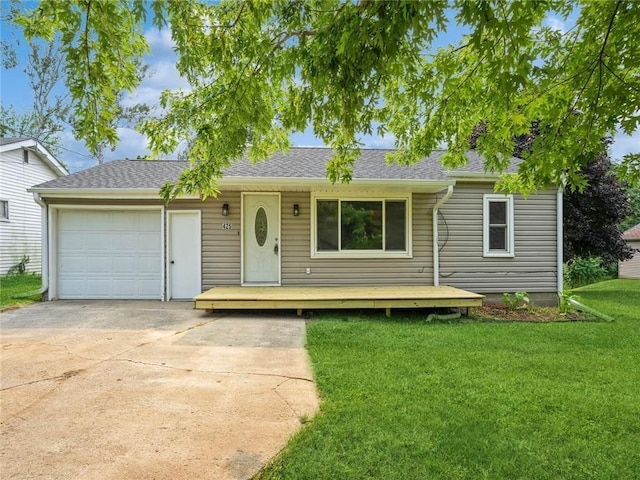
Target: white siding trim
{"points": [[560, 240], [508, 199], [436, 251]]}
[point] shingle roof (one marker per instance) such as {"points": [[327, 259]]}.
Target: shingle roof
{"points": [[8, 141], [127, 174], [312, 163], [299, 162], [632, 234]]}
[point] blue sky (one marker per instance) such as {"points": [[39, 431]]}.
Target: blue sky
{"points": [[14, 91]]}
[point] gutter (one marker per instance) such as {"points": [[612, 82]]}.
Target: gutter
{"points": [[44, 244], [559, 242], [436, 253]]}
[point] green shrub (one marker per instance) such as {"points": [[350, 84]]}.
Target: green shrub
{"points": [[515, 300], [583, 271]]}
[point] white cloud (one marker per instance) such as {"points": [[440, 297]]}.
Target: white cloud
{"points": [[164, 75], [623, 144], [385, 141], [160, 41], [557, 24]]}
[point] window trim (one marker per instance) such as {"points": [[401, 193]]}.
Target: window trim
{"points": [[8, 217], [408, 253], [510, 250]]}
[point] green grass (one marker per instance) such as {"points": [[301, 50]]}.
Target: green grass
{"points": [[402, 399], [12, 286]]}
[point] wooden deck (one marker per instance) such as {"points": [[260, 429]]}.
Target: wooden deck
{"points": [[305, 298]]}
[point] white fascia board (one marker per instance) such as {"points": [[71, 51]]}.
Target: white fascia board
{"points": [[474, 176], [315, 183], [104, 193], [245, 184]]}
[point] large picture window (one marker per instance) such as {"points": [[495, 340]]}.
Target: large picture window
{"points": [[361, 226], [498, 226]]}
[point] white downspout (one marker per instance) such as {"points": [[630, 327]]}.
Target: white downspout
{"points": [[559, 241], [436, 253], [44, 243]]}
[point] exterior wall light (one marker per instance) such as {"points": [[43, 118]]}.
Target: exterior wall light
{"points": [[296, 209], [225, 209]]}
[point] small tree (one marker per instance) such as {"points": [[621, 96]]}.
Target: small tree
{"points": [[592, 216], [48, 115]]}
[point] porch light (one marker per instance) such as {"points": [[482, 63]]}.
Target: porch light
{"points": [[225, 209], [296, 209]]}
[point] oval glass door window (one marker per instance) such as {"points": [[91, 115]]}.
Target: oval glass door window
{"points": [[261, 226]]}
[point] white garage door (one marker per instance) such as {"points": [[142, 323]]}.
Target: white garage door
{"points": [[109, 254]]}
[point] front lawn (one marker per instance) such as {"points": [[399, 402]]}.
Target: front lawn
{"points": [[12, 286], [404, 399]]}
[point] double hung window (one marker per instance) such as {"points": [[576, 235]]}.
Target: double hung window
{"points": [[498, 226]]}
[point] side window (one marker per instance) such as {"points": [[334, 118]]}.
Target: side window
{"points": [[4, 210], [498, 239]]}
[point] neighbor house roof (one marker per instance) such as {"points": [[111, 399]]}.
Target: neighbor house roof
{"points": [[8, 141], [632, 234], [300, 165], [9, 144]]}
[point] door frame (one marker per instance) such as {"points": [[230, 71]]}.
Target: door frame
{"points": [[52, 234], [170, 213], [242, 236]]}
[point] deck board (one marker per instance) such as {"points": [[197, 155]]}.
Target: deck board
{"points": [[299, 298]]}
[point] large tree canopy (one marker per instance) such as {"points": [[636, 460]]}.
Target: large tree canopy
{"points": [[261, 70]]}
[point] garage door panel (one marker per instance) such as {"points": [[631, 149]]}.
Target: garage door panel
{"points": [[146, 288], [149, 238], [149, 266], [109, 254], [97, 264], [91, 241], [69, 264]]}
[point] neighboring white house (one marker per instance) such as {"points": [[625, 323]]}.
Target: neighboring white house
{"points": [[23, 162], [631, 268]]}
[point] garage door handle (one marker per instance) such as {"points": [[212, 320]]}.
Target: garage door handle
{"points": [[172, 262]]}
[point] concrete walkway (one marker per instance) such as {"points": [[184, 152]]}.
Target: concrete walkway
{"points": [[148, 390]]}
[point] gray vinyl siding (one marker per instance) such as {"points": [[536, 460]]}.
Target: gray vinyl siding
{"points": [[462, 265], [533, 269], [296, 252], [221, 248]]}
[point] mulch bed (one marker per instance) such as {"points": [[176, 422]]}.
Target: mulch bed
{"points": [[528, 314]]}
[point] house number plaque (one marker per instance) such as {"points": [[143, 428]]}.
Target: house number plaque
{"points": [[227, 226]]}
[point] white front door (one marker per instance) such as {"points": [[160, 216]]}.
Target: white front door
{"points": [[261, 238], [184, 254]]}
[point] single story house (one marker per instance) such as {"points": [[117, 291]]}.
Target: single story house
{"points": [[23, 163], [282, 223], [631, 268]]}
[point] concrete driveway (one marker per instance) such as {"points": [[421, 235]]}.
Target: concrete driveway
{"points": [[148, 390]]}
